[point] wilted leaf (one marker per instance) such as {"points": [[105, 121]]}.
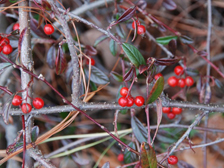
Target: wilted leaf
{"points": [[14, 147], [6, 107], [133, 54], [128, 14], [34, 133], [117, 76], [139, 130], [202, 53], [46, 5], [90, 50], [106, 165], [128, 76], [100, 39], [172, 46], [169, 4], [37, 30], [129, 156], [4, 1], [156, 90], [97, 76], [21, 38], [60, 62], [143, 68], [147, 156], [113, 47], [167, 61], [51, 56], [165, 40], [186, 40], [183, 164], [159, 68], [142, 4]]}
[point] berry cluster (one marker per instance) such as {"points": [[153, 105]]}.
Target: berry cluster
{"points": [[172, 160], [181, 82], [48, 29], [171, 113], [38, 103], [128, 100], [140, 28], [5, 47]]}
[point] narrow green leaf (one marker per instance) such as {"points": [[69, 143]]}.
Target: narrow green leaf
{"points": [[99, 40], [139, 130], [133, 54], [129, 156], [113, 47], [165, 40], [156, 90], [147, 156], [117, 76], [4, 65]]}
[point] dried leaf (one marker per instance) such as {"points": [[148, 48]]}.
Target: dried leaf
{"points": [[167, 61], [202, 53], [172, 46], [14, 147], [90, 50], [139, 130], [186, 40], [128, 76], [37, 30], [128, 14], [60, 62], [142, 4], [143, 68], [46, 5], [147, 156]]}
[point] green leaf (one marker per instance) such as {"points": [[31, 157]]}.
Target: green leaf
{"points": [[129, 156], [156, 90], [99, 40], [117, 76], [133, 54], [165, 40], [34, 133], [147, 156], [139, 130], [113, 47]]}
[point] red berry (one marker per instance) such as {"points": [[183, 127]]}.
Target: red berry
{"points": [[131, 101], [26, 108], [189, 81], [133, 24], [48, 29], [139, 100], [7, 49], [181, 82], [4, 41], [1, 48], [141, 29], [38, 103], [124, 91], [92, 61], [157, 76], [120, 157], [172, 81], [172, 160], [123, 101], [166, 109], [15, 26], [176, 110], [171, 115], [179, 70], [17, 100]]}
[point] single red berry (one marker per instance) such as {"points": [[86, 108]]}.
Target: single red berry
{"points": [[26, 108], [172, 81], [92, 61], [48, 29], [179, 70], [38, 103], [123, 101], [120, 157], [166, 109], [133, 24], [131, 101], [139, 100], [172, 160], [141, 29], [157, 76], [7, 49], [15, 26], [4, 41], [176, 110], [189, 81], [171, 115], [17, 100], [124, 91], [181, 82]]}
